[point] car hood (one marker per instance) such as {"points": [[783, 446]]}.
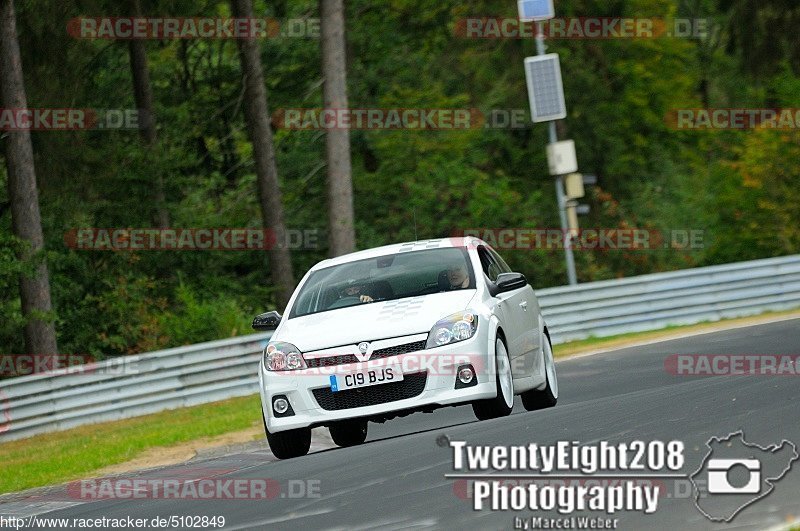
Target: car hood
{"points": [[371, 321]]}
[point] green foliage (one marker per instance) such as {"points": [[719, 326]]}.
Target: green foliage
{"points": [[203, 320], [10, 269], [762, 222], [739, 187]]}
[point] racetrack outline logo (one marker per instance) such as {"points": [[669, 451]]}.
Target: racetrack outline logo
{"points": [[718, 485]]}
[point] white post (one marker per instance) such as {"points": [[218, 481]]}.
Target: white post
{"points": [[560, 195]]}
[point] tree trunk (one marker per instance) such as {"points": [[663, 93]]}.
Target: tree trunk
{"points": [[34, 289], [143, 94], [341, 238], [258, 123]]}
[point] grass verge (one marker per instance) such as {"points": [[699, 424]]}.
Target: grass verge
{"points": [[80, 452], [76, 453]]}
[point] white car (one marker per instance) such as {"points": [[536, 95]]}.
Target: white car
{"points": [[385, 332]]}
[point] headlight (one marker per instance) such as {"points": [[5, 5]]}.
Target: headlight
{"points": [[453, 328], [280, 356]]}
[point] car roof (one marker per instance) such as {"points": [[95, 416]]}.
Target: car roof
{"points": [[405, 247]]}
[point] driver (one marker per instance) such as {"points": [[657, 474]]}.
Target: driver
{"points": [[356, 290], [457, 276]]}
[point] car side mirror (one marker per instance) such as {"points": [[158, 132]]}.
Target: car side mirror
{"points": [[267, 321], [510, 282]]}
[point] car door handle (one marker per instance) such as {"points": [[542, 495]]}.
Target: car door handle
{"points": [[524, 305]]}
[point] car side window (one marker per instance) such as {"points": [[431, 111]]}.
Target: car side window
{"points": [[499, 260], [490, 266]]}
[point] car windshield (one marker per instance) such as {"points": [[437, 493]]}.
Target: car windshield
{"points": [[394, 276]]}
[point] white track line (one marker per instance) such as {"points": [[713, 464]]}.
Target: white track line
{"points": [[645, 342]]}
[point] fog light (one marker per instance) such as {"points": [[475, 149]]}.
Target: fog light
{"points": [[280, 405], [466, 377]]}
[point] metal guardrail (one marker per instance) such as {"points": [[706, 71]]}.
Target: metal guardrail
{"points": [[690, 296], [130, 386], [217, 370]]}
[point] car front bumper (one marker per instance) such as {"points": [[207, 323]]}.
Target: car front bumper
{"points": [[430, 378]]}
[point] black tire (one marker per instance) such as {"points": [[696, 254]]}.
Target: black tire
{"points": [[290, 443], [536, 399], [349, 432], [492, 408]]}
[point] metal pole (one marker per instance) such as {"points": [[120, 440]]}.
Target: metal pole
{"points": [[560, 195]]}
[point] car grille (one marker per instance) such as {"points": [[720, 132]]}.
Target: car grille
{"points": [[378, 354], [331, 360], [411, 386], [398, 349]]}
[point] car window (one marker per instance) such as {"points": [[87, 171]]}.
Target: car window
{"points": [[491, 268], [500, 262], [389, 277]]}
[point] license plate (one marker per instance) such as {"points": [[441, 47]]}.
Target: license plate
{"points": [[366, 378]]}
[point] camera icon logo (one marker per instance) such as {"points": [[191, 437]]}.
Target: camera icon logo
{"points": [[719, 471]]}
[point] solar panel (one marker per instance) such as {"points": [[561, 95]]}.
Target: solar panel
{"points": [[535, 9], [545, 88]]}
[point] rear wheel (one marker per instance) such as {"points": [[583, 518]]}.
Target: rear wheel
{"points": [[290, 443], [543, 398], [502, 404], [349, 432]]}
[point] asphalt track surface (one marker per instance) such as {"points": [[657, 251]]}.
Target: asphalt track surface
{"points": [[396, 480]]}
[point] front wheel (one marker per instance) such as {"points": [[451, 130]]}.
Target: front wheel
{"points": [[349, 432], [536, 399], [290, 443], [501, 405]]}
